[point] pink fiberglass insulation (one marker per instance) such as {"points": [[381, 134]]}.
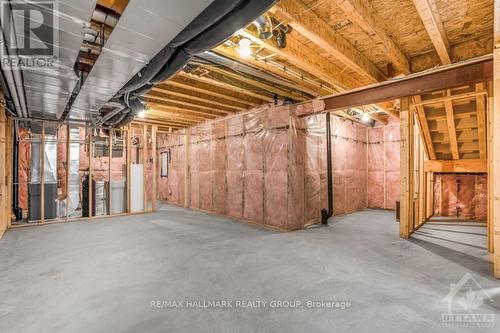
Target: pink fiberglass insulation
{"points": [[384, 165], [461, 196], [268, 166], [170, 186], [24, 167]]}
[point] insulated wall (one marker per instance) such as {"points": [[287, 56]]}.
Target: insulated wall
{"points": [[384, 165], [267, 166], [461, 196]]}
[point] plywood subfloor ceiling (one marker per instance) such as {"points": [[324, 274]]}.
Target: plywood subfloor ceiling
{"points": [[335, 45]]}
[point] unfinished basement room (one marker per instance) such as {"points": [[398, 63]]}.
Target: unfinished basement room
{"points": [[250, 166]]}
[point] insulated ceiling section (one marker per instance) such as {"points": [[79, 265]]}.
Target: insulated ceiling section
{"points": [[142, 31], [48, 89]]}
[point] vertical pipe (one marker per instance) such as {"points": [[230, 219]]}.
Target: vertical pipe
{"points": [[15, 174], [324, 213], [91, 181], [128, 162]]}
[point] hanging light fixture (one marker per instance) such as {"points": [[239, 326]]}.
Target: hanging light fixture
{"points": [[244, 48]]}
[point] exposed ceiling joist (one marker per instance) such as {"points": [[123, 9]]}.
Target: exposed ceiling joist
{"points": [[363, 14], [429, 14], [226, 86], [258, 84], [175, 101], [307, 58], [281, 70], [209, 92], [310, 25], [206, 114], [198, 99]]}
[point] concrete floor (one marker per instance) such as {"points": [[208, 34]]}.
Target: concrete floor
{"points": [[102, 276]]}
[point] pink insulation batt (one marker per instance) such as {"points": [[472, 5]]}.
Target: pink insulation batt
{"points": [[461, 196], [269, 167]]}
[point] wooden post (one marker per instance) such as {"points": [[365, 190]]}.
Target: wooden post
{"points": [[154, 130], [489, 118], [3, 185], [110, 158], [144, 163], [407, 161], [128, 162], [91, 167], [422, 184], [42, 174], [495, 151], [68, 157], [187, 168]]}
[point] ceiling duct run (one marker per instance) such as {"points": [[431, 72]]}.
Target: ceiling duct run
{"points": [[214, 25], [47, 89], [143, 29]]}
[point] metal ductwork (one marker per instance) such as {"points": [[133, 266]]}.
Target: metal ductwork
{"points": [[45, 91], [214, 25], [264, 27], [143, 29]]}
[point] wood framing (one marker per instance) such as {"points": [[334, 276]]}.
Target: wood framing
{"points": [[226, 86], [407, 169], [308, 24], [307, 58], [424, 128], [495, 145], [209, 92], [154, 131], [457, 166], [228, 105], [429, 14], [3, 183], [363, 14], [481, 120], [452, 131]]}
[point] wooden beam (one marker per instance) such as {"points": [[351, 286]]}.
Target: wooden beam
{"points": [[494, 118], [228, 105], [258, 84], [209, 92], [471, 71], [447, 97], [226, 86], [481, 121], [406, 217], [457, 166], [424, 127], [205, 114], [311, 26], [154, 130], [175, 101], [307, 59], [364, 15], [429, 14], [3, 180], [452, 132]]}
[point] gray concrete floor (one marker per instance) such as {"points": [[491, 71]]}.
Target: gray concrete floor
{"points": [[102, 276]]}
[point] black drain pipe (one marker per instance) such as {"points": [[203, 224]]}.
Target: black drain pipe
{"points": [[18, 212], [326, 214]]}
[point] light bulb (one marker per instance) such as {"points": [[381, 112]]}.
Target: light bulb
{"points": [[244, 48], [366, 117], [142, 114]]}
